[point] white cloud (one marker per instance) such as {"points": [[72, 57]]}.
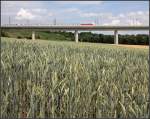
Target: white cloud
{"points": [[147, 13], [130, 14], [88, 14], [137, 14], [39, 10], [138, 18], [10, 8], [113, 22], [50, 14], [131, 18], [140, 13], [137, 22], [121, 15], [24, 14], [108, 16], [72, 10], [105, 24]]}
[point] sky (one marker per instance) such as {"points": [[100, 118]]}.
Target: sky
{"points": [[75, 12]]}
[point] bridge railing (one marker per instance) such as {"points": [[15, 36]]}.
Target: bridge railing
{"points": [[60, 25]]}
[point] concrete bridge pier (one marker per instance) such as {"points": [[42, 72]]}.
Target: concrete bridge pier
{"points": [[116, 37], [76, 36], [33, 35]]}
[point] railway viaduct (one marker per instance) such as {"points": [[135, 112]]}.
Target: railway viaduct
{"points": [[76, 29]]}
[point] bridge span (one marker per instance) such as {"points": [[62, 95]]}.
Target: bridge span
{"points": [[76, 28]]}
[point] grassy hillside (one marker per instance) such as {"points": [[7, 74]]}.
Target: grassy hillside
{"points": [[65, 79], [46, 35]]}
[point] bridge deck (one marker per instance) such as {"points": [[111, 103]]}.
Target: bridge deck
{"points": [[73, 27]]}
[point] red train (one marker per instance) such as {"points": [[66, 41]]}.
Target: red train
{"points": [[91, 24]]}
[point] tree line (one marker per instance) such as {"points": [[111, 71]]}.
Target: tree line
{"points": [[139, 39]]}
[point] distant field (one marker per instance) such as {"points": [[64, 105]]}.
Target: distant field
{"points": [[67, 79], [135, 46], [80, 43]]}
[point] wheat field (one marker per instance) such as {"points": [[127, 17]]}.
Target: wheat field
{"points": [[66, 79]]}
